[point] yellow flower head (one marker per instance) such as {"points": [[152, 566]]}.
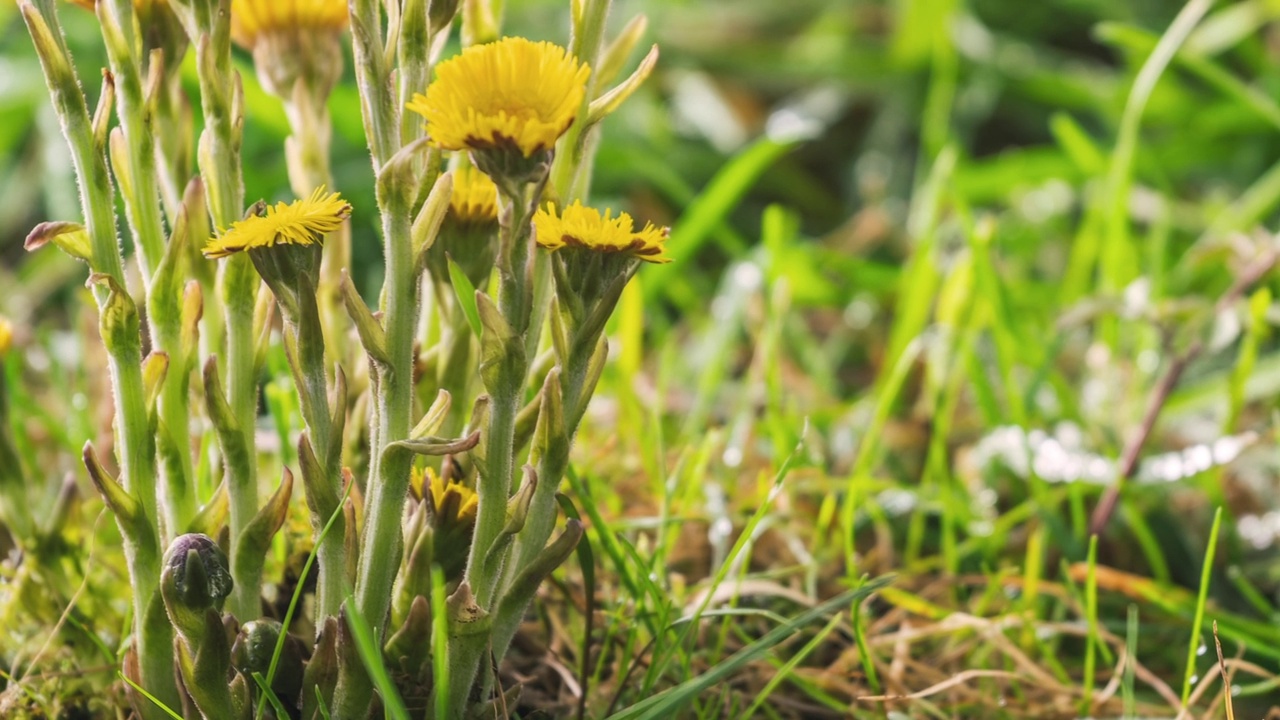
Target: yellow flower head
{"points": [[251, 19], [474, 199], [584, 227], [513, 93], [453, 503], [304, 222]]}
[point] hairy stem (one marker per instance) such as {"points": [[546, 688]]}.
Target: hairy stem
{"points": [[135, 447]]}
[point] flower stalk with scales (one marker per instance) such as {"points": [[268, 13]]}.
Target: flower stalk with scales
{"points": [[297, 50], [284, 243], [135, 494]]}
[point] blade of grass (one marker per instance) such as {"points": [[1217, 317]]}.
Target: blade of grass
{"points": [[270, 695], [154, 700], [587, 565], [466, 293], [371, 656], [666, 703], [1131, 662], [1206, 573], [439, 642], [785, 671], [725, 191], [1091, 638], [297, 592]]}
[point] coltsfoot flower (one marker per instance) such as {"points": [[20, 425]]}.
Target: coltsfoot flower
{"points": [[505, 101], [450, 516], [595, 255], [253, 19], [449, 502], [467, 235], [302, 222], [474, 200], [584, 227], [292, 40]]}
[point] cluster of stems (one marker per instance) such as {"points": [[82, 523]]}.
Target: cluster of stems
{"points": [[511, 444]]}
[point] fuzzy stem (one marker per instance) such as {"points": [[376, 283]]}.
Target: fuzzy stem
{"points": [[514, 272], [552, 463], [142, 206], [309, 169], [393, 381], [219, 159], [388, 486], [467, 652], [313, 388], [134, 442]]}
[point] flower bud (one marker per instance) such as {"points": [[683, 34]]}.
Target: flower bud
{"points": [[195, 579], [256, 645]]}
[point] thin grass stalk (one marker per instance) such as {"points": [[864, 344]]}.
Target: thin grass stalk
{"points": [[135, 448]]}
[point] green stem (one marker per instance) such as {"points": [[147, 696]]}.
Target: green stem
{"points": [[177, 469], [142, 205], [456, 366], [219, 159], [313, 389], [380, 113], [389, 473], [468, 652], [153, 642], [552, 464], [514, 299], [238, 283], [388, 484], [388, 478], [309, 169]]}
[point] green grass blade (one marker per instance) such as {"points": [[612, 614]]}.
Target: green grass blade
{"points": [[466, 293], [270, 695], [154, 700], [1206, 573], [371, 656], [722, 195], [439, 642], [666, 703]]}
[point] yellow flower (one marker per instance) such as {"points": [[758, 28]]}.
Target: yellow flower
{"points": [[304, 222], [452, 503], [474, 199], [514, 93], [584, 227], [253, 18], [6, 335], [455, 497]]}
